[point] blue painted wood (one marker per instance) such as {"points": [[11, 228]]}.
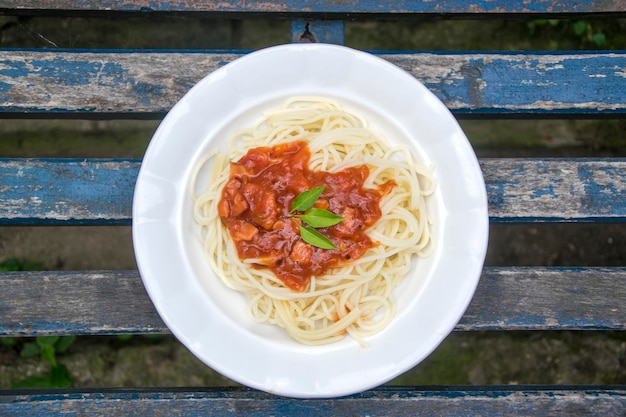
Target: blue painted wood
{"points": [[113, 302], [92, 191], [128, 83], [494, 401], [36, 191], [312, 7], [528, 83], [313, 31], [583, 189], [148, 84]]}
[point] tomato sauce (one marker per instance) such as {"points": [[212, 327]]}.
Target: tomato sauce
{"points": [[256, 202]]}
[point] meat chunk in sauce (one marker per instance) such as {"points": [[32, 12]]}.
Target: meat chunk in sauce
{"points": [[262, 205]]}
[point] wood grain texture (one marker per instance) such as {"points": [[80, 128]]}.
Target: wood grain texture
{"points": [[87, 302], [555, 189], [112, 302], [319, 6], [148, 84], [519, 83], [85, 82], [67, 190], [93, 191], [381, 402], [543, 298]]}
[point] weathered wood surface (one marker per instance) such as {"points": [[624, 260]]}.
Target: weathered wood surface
{"points": [[312, 7], [555, 189], [93, 191], [148, 84], [541, 298], [112, 302], [381, 402], [75, 302], [66, 191]]}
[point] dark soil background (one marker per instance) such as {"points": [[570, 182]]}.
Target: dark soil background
{"points": [[591, 357]]}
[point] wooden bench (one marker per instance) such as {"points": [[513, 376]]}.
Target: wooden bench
{"points": [[105, 84]]}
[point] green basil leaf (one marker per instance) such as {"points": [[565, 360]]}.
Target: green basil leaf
{"points": [[305, 200], [315, 238], [317, 217]]}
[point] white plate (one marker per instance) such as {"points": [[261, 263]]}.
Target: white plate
{"points": [[211, 320]]}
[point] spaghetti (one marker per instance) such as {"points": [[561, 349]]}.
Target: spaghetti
{"points": [[354, 297]]}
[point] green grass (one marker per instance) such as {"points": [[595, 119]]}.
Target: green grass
{"points": [[75, 138]]}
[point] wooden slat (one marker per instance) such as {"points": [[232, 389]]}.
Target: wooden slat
{"points": [[110, 302], [543, 298], [34, 191], [384, 401], [315, 6], [555, 189], [148, 84], [90, 302], [522, 83], [58, 82], [94, 191]]}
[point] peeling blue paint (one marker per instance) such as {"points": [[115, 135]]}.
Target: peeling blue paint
{"points": [[89, 190], [602, 198], [519, 170], [13, 69], [567, 81], [497, 192], [512, 82], [487, 84], [364, 6], [548, 191], [462, 401], [4, 89], [74, 190], [146, 92], [79, 72]]}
